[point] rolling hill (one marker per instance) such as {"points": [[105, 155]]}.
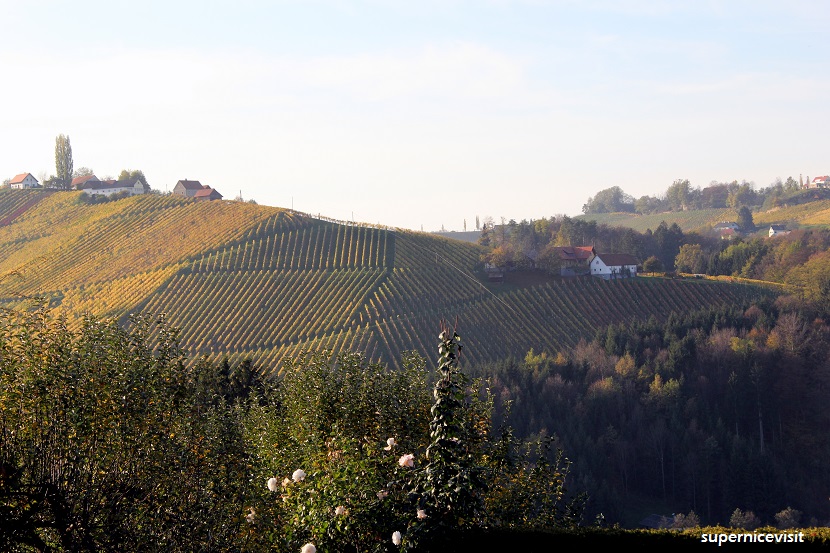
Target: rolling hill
{"points": [[243, 280], [814, 213]]}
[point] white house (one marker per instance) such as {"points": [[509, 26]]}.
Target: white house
{"points": [[777, 230], [820, 182], [613, 265], [23, 180], [107, 188]]}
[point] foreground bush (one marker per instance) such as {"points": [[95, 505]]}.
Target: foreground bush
{"points": [[103, 446], [111, 441], [357, 458]]}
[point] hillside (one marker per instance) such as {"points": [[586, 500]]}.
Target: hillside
{"points": [[249, 280], [809, 214]]}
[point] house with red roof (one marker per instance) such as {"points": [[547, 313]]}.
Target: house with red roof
{"points": [[23, 180], [196, 190], [574, 260], [821, 182], [207, 194], [613, 265]]}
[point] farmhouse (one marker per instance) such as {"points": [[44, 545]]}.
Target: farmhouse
{"points": [[187, 188], [820, 182], [23, 180], [79, 183], [195, 189], [613, 265], [106, 188], [777, 230], [574, 260]]}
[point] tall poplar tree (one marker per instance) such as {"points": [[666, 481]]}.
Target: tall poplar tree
{"points": [[63, 160]]}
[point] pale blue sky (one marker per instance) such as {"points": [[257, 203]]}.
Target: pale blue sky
{"points": [[420, 113]]}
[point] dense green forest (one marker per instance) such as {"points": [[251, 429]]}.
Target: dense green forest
{"points": [[709, 411]]}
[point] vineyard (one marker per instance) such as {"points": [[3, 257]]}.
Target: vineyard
{"points": [[243, 280]]}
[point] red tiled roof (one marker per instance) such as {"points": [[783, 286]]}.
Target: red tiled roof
{"points": [[19, 178], [575, 253], [206, 192]]}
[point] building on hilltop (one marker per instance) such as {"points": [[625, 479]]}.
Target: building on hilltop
{"points": [[187, 188], [23, 180], [106, 188], [79, 183], [195, 189], [613, 265], [820, 182], [207, 194]]}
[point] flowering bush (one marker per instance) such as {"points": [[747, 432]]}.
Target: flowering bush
{"points": [[407, 460], [335, 420], [272, 484]]}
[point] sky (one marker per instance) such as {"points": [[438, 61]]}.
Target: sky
{"points": [[423, 114]]}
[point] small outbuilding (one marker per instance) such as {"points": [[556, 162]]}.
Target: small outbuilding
{"points": [[207, 194]]}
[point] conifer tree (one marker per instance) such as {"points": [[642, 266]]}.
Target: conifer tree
{"points": [[63, 160]]}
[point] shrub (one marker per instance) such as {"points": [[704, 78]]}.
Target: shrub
{"points": [[746, 520], [690, 520], [788, 518]]}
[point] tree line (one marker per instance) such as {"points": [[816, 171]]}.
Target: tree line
{"points": [[682, 196]]}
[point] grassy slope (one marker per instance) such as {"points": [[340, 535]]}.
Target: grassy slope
{"points": [[687, 220], [814, 213], [246, 280]]}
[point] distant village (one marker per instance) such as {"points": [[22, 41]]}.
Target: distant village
{"points": [[93, 186]]}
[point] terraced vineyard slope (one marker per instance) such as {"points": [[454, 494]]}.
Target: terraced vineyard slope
{"points": [[263, 282]]}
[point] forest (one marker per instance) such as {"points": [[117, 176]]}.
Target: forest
{"points": [[708, 412]]}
